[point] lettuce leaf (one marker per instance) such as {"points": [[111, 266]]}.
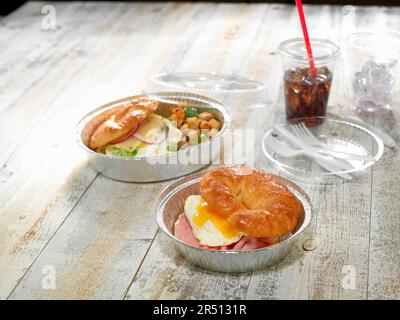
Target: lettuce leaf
{"points": [[115, 151]]}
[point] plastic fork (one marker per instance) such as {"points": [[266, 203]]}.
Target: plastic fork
{"points": [[302, 132], [328, 163]]}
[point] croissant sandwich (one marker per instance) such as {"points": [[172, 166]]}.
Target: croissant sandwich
{"points": [[239, 208], [121, 122], [134, 129]]}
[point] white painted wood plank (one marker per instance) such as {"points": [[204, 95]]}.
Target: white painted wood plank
{"points": [[135, 36], [44, 175], [32, 51], [96, 251], [225, 40], [384, 257], [166, 275]]}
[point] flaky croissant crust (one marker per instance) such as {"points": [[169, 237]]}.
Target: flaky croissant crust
{"points": [[120, 121], [255, 202]]}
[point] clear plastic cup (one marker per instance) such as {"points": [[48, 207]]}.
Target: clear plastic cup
{"points": [[307, 96], [372, 61]]}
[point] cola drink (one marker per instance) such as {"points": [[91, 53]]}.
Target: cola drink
{"points": [[307, 96]]}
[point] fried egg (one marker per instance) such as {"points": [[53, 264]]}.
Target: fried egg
{"points": [[209, 227]]}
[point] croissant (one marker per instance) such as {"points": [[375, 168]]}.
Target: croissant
{"points": [[253, 201], [120, 122]]}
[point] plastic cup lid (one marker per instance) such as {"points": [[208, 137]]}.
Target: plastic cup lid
{"points": [[207, 82]]}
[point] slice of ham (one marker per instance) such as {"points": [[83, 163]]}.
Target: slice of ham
{"points": [[184, 233]]}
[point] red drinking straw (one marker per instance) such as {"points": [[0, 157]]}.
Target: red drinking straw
{"points": [[299, 6]]}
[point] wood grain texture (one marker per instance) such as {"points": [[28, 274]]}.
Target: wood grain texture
{"points": [[384, 257], [43, 172], [166, 275], [384, 260], [98, 248], [99, 235], [131, 39]]}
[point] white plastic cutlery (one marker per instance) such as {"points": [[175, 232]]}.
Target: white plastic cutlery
{"points": [[324, 161], [302, 132], [311, 152]]}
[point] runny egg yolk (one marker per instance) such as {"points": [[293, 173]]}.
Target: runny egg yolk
{"points": [[204, 213]]}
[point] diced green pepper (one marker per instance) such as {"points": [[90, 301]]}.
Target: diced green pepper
{"points": [[190, 112]]}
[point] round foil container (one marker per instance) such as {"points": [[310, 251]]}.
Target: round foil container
{"points": [[170, 205], [157, 168]]}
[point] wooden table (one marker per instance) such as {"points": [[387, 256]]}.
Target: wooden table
{"points": [[67, 232]]}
